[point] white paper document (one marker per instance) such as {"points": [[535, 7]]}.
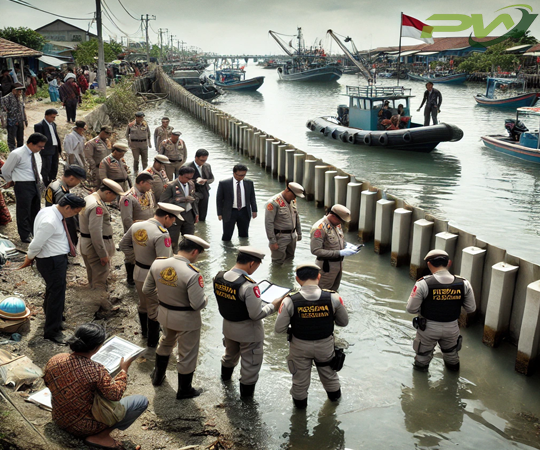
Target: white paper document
{"points": [[355, 247], [42, 398], [114, 350], [270, 292]]}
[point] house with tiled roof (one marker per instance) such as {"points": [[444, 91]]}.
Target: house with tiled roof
{"points": [[15, 57]]}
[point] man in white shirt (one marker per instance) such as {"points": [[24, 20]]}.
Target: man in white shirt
{"points": [[74, 144], [50, 248], [23, 167]]}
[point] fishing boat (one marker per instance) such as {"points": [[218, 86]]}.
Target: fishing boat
{"points": [[519, 142], [499, 94], [455, 78], [306, 64], [235, 80], [360, 123], [200, 87]]}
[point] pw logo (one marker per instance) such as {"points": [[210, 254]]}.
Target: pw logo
{"points": [[477, 23]]}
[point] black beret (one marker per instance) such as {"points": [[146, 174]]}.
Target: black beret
{"points": [[72, 200], [77, 171]]}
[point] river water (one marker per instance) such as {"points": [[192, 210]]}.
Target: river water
{"points": [[385, 404]]}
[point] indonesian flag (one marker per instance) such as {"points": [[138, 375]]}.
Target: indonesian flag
{"points": [[411, 27]]}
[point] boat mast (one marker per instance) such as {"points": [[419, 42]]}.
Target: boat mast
{"points": [[363, 70]]}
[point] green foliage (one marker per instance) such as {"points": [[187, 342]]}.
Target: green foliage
{"points": [[4, 149], [42, 92], [24, 36], [527, 38], [494, 57], [90, 100], [123, 103], [87, 52]]}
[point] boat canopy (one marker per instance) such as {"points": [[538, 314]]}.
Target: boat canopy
{"points": [[494, 83], [529, 111], [378, 92]]}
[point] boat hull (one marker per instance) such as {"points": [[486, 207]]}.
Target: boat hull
{"points": [[450, 79], [511, 102], [247, 85], [503, 145], [321, 74], [415, 139]]}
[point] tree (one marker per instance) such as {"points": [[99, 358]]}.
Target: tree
{"points": [[495, 56], [87, 52], [24, 36]]}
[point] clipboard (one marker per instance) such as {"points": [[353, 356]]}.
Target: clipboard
{"points": [[271, 291]]}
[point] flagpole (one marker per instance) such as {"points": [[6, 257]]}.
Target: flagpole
{"points": [[399, 53]]}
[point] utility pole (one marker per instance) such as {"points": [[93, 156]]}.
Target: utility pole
{"points": [[101, 78], [161, 31], [147, 44], [171, 44], [181, 43]]}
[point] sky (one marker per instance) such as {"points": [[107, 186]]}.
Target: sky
{"points": [[241, 26]]}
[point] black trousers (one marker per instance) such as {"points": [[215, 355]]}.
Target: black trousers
{"points": [[240, 218], [54, 272], [28, 205], [186, 226], [203, 208], [49, 167], [71, 110], [15, 136]]}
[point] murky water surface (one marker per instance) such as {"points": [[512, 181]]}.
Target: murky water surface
{"points": [[385, 404]]}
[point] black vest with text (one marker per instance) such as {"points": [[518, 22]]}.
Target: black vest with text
{"points": [[312, 320], [443, 302], [229, 303]]}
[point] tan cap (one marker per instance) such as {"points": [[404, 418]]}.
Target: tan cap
{"points": [[197, 240], [296, 189], [173, 209], [121, 147], [249, 250], [162, 159], [106, 128], [342, 212], [436, 254], [306, 266], [113, 185]]}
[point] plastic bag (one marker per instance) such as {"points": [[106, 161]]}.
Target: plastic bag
{"points": [[18, 370]]}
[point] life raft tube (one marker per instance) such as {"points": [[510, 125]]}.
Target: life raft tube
{"points": [[367, 139]]}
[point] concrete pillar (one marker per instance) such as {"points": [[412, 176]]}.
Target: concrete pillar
{"points": [[421, 244], [231, 132], [354, 190], [281, 162], [366, 225], [274, 159], [254, 146], [340, 195], [309, 179], [261, 150], [242, 140], [384, 216], [330, 189], [320, 180], [527, 355], [447, 242], [499, 307], [298, 170], [289, 164], [268, 156], [472, 268]]}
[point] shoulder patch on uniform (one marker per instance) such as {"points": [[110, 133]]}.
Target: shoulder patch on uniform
{"points": [[201, 281], [64, 189], [99, 211], [141, 236], [341, 301], [162, 229], [329, 290], [167, 241], [317, 233], [193, 267], [257, 291], [280, 202], [270, 207], [320, 227], [168, 277], [126, 202], [251, 280]]}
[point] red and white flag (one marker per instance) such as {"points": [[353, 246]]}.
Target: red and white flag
{"points": [[411, 27]]}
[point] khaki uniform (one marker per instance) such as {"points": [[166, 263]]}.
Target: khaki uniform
{"points": [[177, 154], [142, 244], [138, 137], [302, 353], [94, 151], [245, 339], [177, 283], [160, 181], [160, 134], [282, 223], [326, 242], [118, 171], [96, 240], [136, 206]]}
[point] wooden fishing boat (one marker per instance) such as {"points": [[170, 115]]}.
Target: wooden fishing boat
{"points": [[235, 80], [456, 78], [498, 87]]}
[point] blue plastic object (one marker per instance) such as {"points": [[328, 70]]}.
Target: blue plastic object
{"points": [[13, 306]]}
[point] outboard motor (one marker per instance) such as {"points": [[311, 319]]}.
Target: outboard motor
{"points": [[515, 129]]}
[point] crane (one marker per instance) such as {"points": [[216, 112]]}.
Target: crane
{"points": [[360, 63]]}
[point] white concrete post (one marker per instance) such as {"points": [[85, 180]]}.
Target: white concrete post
{"points": [[309, 179], [320, 185], [354, 190], [298, 171], [472, 268], [242, 145], [447, 242], [421, 244], [340, 196], [289, 164], [499, 307], [274, 159], [384, 216], [268, 156], [330, 189], [366, 226], [527, 355], [281, 162], [254, 146], [262, 149]]}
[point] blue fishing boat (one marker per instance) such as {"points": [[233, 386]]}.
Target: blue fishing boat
{"points": [[499, 94], [455, 78], [380, 117], [235, 80], [519, 143]]}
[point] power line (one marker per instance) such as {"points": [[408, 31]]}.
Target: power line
{"points": [[108, 13], [133, 17], [28, 5]]}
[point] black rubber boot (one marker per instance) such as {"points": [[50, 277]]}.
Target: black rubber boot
{"points": [[160, 370], [452, 367], [153, 333], [420, 367], [226, 373], [247, 390], [129, 273], [185, 390], [143, 317], [300, 404], [334, 396]]}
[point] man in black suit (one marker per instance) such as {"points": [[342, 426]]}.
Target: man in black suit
{"points": [[236, 203], [203, 178], [53, 148]]}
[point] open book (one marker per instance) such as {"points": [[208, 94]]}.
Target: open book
{"points": [[113, 350], [270, 291]]}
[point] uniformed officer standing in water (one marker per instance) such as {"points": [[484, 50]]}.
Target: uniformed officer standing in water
{"points": [[311, 314], [438, 299]]}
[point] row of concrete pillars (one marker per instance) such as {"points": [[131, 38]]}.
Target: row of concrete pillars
{"points": [[387, 221]]}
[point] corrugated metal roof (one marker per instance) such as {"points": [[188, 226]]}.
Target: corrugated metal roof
{"points": [[10, 49]]}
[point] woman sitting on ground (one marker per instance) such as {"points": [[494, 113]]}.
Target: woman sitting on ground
{"points": [[74, 380]]}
